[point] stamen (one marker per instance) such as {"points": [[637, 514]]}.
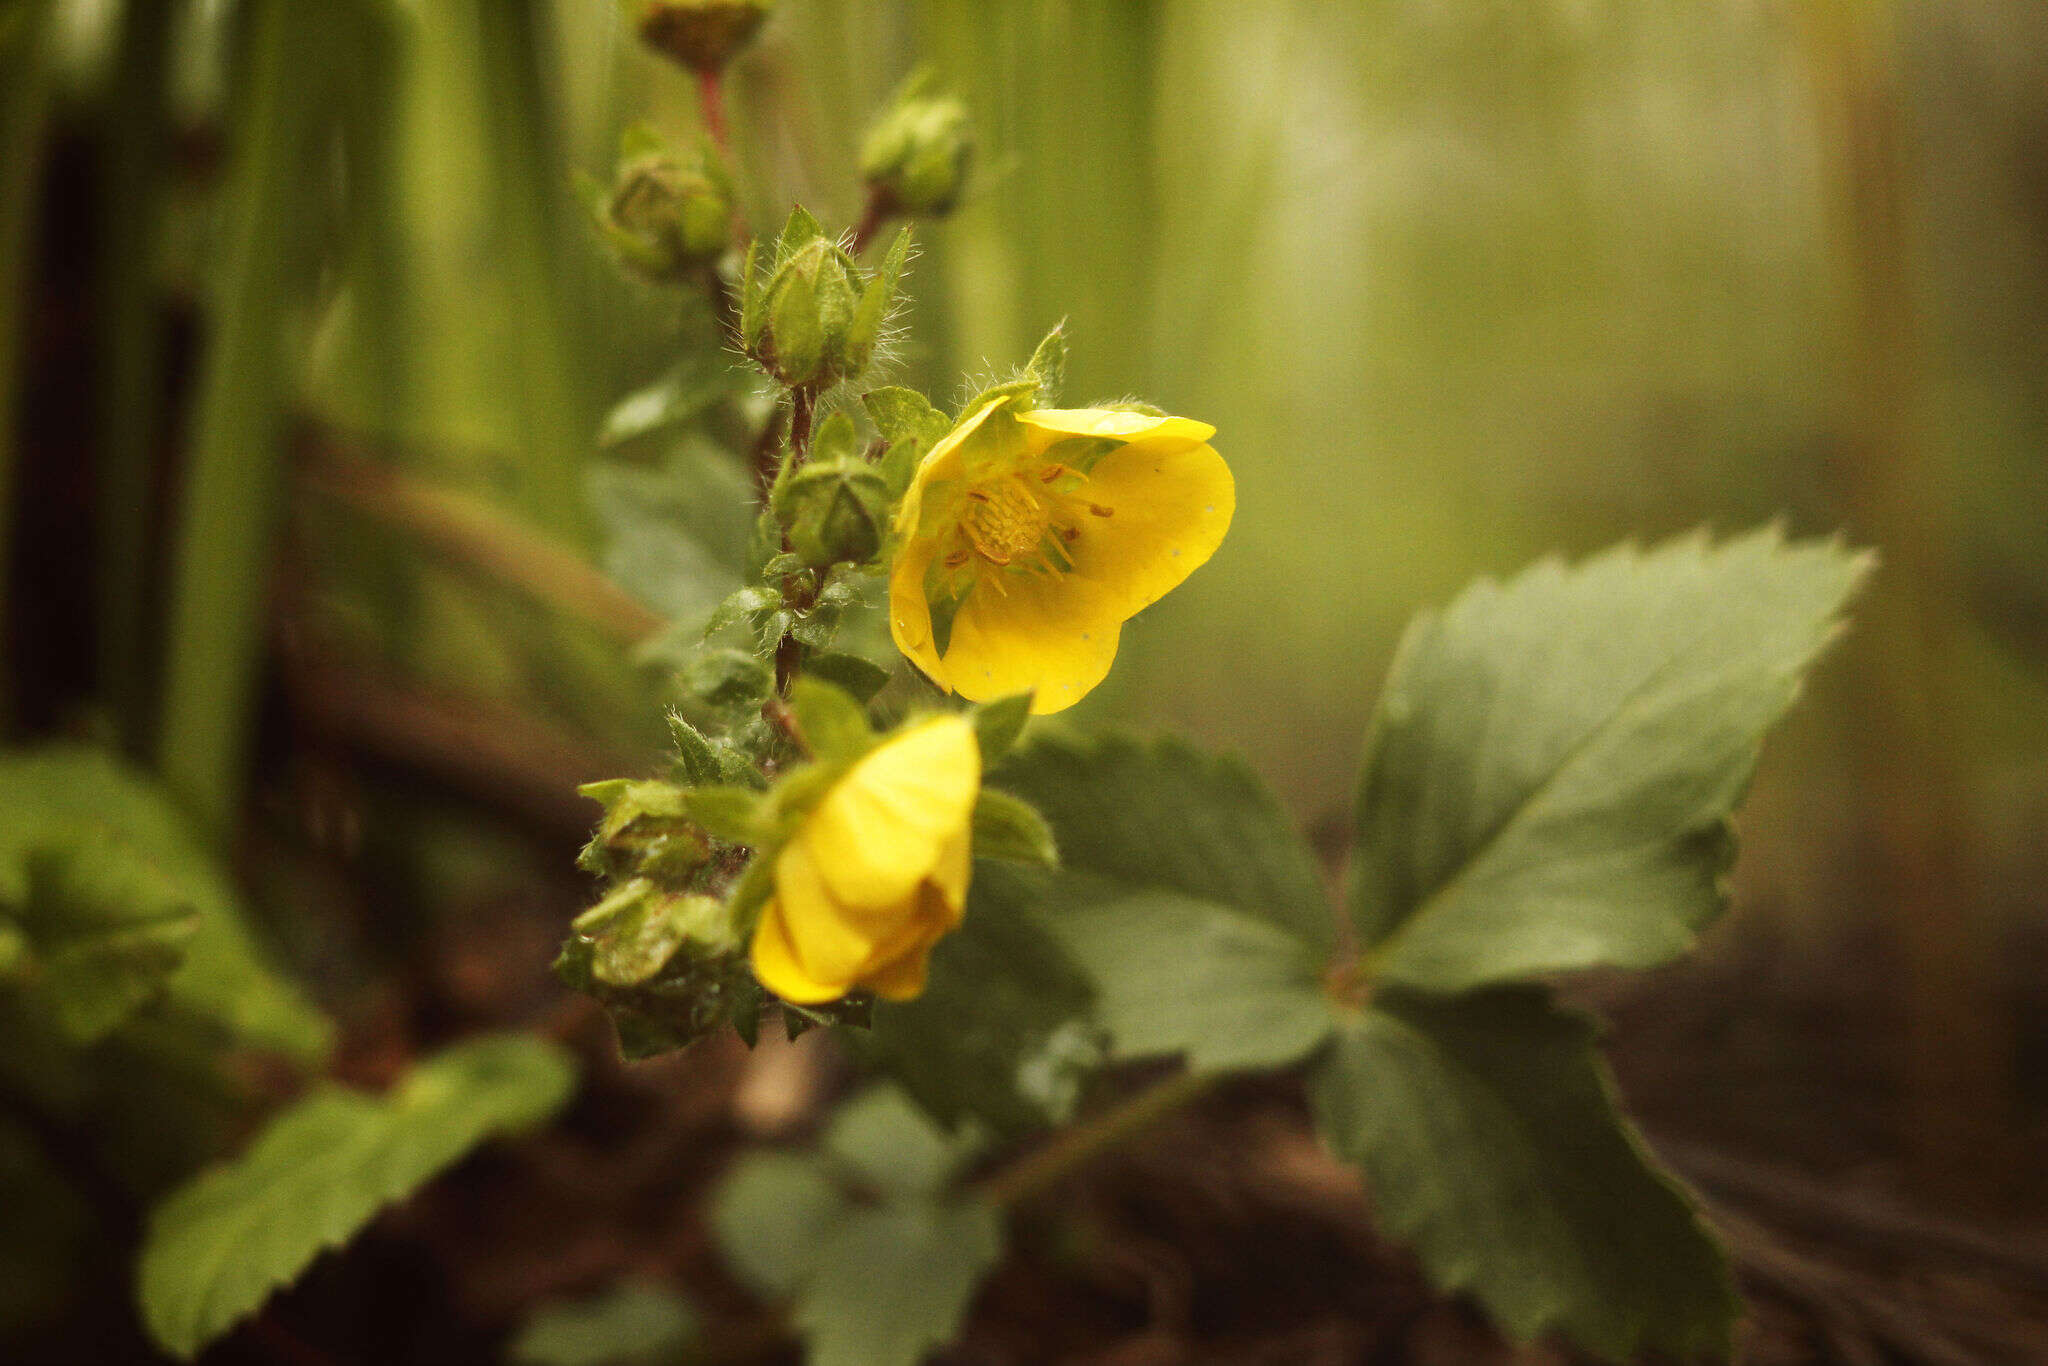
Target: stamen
{"points": [[956, 559], [1100, 511], [1004, 521], [1050, 473]]}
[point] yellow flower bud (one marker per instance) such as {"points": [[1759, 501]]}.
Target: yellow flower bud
{"points": [[877, 872]]}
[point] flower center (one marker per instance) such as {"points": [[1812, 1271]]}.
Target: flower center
{"points": [[1004, 521]]}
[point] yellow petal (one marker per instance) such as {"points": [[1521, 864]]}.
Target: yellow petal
{"points": [[910, 614], [1171, 505], [1169, 433], [879, 831], [942, 461], [828, 942], [1054, 635], [903, 979], [775, 964], [902, 975]]}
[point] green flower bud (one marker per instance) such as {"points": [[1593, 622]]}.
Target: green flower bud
{"points": [[836, 512], [703, 35], [666, 216], [915, 156], [815, 317]]}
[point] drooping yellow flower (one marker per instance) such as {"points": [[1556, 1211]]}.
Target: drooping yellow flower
{"points": [[1040, 534], [877, 872]]}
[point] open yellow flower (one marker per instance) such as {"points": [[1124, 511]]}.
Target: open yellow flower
{"points": [[1032, 537], [877, 873]]}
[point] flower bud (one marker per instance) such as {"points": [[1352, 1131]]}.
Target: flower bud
{"points": [[915, 156], [666, 216], [703, 35], [836, 512], [816, 317]]}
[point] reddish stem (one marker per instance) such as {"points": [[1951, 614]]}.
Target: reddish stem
{"points": [[711, 99]]}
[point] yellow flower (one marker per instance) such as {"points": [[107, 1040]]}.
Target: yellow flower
{"points": [[877, 872], [1042, 533]]}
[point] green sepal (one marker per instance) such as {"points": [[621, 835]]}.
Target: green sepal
{"points": [[1048, 364], [697, 763], [834, 725], [836, 438], [1010, 828], [998, 725], [737, 814], [876, 302], [753, 291], [1016, 392], [645, 830], [798, 229], [901, 414]]}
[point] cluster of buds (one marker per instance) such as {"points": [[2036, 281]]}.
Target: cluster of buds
{"points": [[915, 156], [703, 35], [813, 317], [666, 216]]}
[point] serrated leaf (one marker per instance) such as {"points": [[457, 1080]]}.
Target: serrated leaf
{"points": [[1003, 1031], [1164, 815], [66, 796], [1555, 760], [770, 1214], [628, 1325], [894, 1282], [1487, 1128], [1177, 975], [1010, 828], [218, 1246], [905, 415]]}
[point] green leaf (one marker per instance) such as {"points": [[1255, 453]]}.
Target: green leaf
{"points": [[1049, 364], [628, 1325], [1164, 815], [1009, 828], [690, 387], [770, 1214], [834, 726], [894, 1282], [998, 725], [1487, 1128], [696, 761], [885, 1143], [220, 1244], [728, 678], [1003, 1031], [1555, 760], [1177, 974], [859, 677], [76, 797], [905, 415], [97, 938]]}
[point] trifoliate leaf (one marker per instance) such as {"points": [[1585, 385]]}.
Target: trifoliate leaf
{"points": [[894, 1282], [220, 1244], [1486, 1127], [76, 797], [1164, 815], [1010, 828], [628, 1325], [1555, 760], [1176, 974], [1003, 1032]]}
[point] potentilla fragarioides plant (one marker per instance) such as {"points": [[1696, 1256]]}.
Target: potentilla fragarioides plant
{"points": [[996, 918]]}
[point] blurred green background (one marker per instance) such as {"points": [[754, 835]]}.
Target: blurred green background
{"points": [[1460, 284]]}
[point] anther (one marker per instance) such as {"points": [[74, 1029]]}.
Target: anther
{"points": [[1100, 511]]}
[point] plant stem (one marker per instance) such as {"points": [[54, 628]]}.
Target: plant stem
{"points": [[789, 651], [1078, 1146], [880, 209], [711, 99]]}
